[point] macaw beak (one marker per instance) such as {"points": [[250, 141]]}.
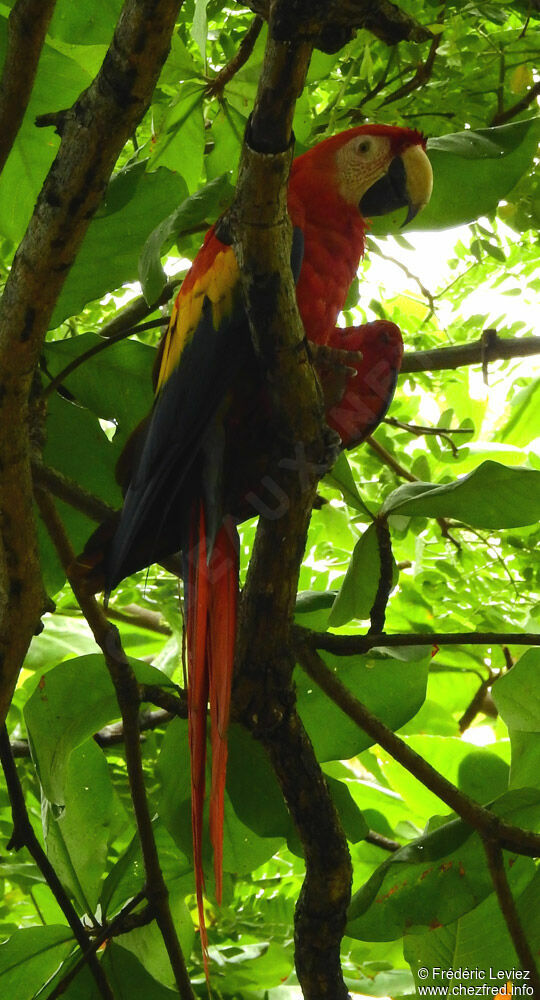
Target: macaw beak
{"points": [[407, 183]]}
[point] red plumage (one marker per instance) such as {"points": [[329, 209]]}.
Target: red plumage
{"points": [[209, 441]]}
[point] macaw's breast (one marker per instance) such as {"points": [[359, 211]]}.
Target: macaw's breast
{"points": [[333, 246]]}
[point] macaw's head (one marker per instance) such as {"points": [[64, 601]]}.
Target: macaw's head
{"points": [[377, 168]]}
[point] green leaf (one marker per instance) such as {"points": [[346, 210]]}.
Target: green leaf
{"points": [[392, 690], [199, 29], [72, 702], [90, 807], [243, 849], [465, 945], [359, 588], [94, 24], [129, 979], [493, 496], [109, 255], [147, 943], [341, 477], [472, 172], [179, 136], [94, 384], [517, 694], [199, 210], [523, 423], [439, 877], [30, 957]]}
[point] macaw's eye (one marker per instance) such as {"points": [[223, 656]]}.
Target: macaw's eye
{"points": [[364, 146]]}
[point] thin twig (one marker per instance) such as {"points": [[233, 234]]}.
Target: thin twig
{"points": [[485, 822], [374, 247], [495, 860], [216, 86], [102, 345], [127, 693], [476, 704], [502, 117], [123, 922], [400, 470], [379, 840], [422, 74], [24, 836]]}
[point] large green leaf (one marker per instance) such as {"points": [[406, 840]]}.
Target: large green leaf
{"points": [[72, 702], [493, 496], [179, 136], [135, 200], [472, 172], [439, 877], [95, 383], [91, 464], [516, 696], [90, 806], [129, 979], [59, 82], [73, 22], [243, 849], [392, 689], [359, 588], [477, 957], [200, 209], [30, 957]]}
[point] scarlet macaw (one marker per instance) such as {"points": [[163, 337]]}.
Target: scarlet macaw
{"points": [[208, 440]]}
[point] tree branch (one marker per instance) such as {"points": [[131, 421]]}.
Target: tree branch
{"points": [[501, 117], [94, 131], [485, 822], [378, 612], [24, 836], [27, 27], [217, 85], [349, 645], [330, 30], [495, 860], [128, 696], [263, 693], [447, 358]]}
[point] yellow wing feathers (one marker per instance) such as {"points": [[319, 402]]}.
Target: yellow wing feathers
{"points": [[214, 276]]}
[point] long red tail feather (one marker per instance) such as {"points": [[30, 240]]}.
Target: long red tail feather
{"points": [[212, 595], [197, 621], [223, 571]]}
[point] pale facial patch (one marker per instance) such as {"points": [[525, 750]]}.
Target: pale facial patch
{"points": [[360, 163]]}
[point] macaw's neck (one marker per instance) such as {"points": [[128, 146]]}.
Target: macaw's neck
{"points": [[334, 234]]}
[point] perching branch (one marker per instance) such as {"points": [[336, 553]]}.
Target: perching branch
{"points": [[27, 27], [263, 693], [128, 696], [24, 836], [94, 132]]}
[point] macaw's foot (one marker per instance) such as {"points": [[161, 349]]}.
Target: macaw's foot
{"points": [[335, 365]]}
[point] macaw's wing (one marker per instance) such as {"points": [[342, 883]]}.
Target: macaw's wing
{"points": [[368, 393], [205, 346]]}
